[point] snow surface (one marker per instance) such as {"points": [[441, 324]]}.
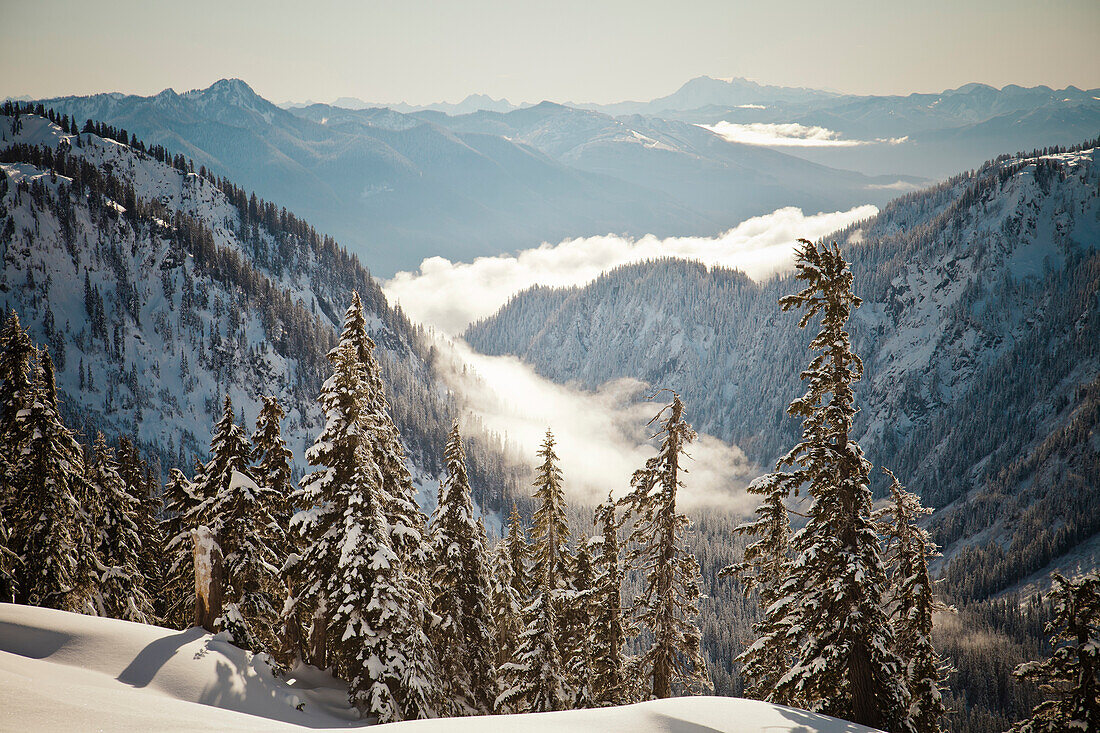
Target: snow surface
{"points": [[65, 671]]}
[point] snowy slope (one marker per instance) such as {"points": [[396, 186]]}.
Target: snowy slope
{"points": [[64, 671], [158, 368]]}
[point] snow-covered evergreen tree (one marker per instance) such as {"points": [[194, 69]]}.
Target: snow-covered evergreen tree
{"points": [[141, 485], [121, 591], [579, 611], [1070, 678], [272, 469], [911, 603], [610, 680], [667, 607], [763, 569], [550, 532], [44, 476], [238, 512], [180, 504], [831, 600], [462, 634], [536, 680], [349, 579], [403, 514], [508, 589]]}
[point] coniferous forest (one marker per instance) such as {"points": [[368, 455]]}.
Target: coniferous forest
{"points": [[828, 598]]}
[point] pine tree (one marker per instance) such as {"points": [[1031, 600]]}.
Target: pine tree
{"points": [[611, 684], [763, 569], [912, 604], [15, 394], [121, 586], [180, 504], [1071, 676], [349, 579], [44, 476], [831, 600], [668, 604], [462, 636]]}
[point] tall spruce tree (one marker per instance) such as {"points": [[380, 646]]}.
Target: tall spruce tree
{"points": [[142, 486], [831, 600], [536, 679], [180, 504], [509, 589], [763, 570], [121, 589], [398, 493], [462, 634], [350, 580], [550, 533], [15, 394], [668, 605], [579, 611], [238, 512], [610, 681], [1070, 678], [911, 603], [45, 477]]}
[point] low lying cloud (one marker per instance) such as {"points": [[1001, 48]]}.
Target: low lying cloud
{"points": [[789, 134], [602, 436], [448, 296]]}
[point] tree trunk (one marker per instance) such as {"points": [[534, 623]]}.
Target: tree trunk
{"points": [[209, 578]]}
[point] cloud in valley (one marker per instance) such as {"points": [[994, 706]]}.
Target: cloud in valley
{"points": [[448, 296], [789, 134], [602, 436]]}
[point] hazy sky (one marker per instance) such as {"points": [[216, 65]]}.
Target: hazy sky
{"points": [[564, 50]]}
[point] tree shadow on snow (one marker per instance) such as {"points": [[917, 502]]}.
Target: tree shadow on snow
{"points": [[29, 641], [814, 723], [144, 667]]}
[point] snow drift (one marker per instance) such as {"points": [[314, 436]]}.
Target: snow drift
{"points": [[64, 671]]}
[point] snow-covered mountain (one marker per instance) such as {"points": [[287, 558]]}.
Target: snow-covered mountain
{"points": [[65, 671], [979, 333], [399, 188], [158, 290]]}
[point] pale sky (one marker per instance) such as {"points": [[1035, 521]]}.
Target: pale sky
{"points": [[526, 50]]}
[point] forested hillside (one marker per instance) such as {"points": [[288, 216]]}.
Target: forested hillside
{"points": [[979, 331], [159, 289]]}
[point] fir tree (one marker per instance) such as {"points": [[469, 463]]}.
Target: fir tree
{"points": [[535, 681], [831, 600], [121, 585], [1071, 676], [272, 469], [398, 493], [462, 635], [509, 589], [579, 611], [668, 604], [550, 532], [763, 569], [912, 604], [238, 512], [141, 486], [610, 681], [180, 504], [350, 579], [44, 476]]}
